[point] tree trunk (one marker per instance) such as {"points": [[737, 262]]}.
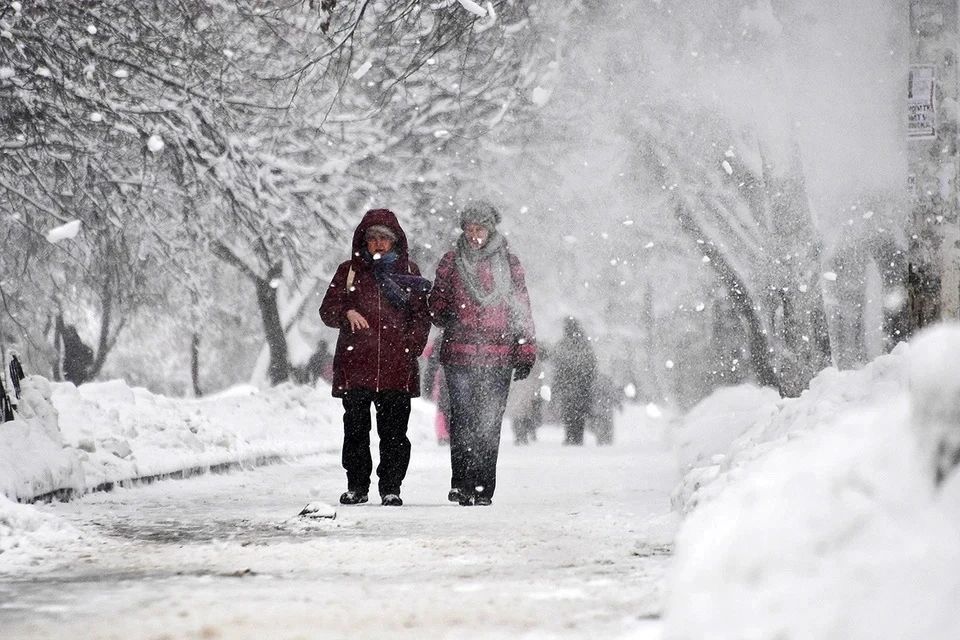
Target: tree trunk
{"points": [[273, 329], [802, 340], [892, 263], [279, 369], [759, 345], [195, 365]]}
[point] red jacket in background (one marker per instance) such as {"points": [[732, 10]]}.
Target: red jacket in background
{"points": [[383, 357], [490, 336]]}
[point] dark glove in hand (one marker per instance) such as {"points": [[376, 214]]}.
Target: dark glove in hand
{"points": [[521, 372]]}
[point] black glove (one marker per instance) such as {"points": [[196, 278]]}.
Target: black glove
{"points": [[521, 372]]}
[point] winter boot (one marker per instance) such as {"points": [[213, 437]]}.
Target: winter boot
{"points": [[353, 497], [391, 500]]}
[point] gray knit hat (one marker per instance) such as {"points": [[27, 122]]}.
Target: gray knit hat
{"points": [[381, 229], [480, 212]]}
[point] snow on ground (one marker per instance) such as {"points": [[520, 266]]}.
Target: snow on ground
{"points": [[814, 517], [822, 520], [29, 537], [70, 440], [575, 545], [568, 550]]}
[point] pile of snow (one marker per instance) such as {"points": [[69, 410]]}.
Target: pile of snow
{"points": [[711, 427], [28, 536], [123, 433], [70, 440], [935, 392], [823, 519], [723, 433], [33, 459]]}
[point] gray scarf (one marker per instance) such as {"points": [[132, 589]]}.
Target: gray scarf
{"points": [[468, 259]]}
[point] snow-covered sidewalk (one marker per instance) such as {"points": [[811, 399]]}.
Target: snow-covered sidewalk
{"points": [[814, 517], [575, 545]]}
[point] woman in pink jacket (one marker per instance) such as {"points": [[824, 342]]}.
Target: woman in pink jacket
{"points": [[377, 300], [480, 300]]}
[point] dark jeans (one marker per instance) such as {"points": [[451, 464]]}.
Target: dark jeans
{"points": [[478, 398], [574, 419], [393, 415]]}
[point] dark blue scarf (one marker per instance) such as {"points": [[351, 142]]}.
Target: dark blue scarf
{"points": [[397, 287]]}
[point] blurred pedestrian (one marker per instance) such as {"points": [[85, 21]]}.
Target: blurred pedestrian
{"points": [[78, 358], [480, 300], [320, 364], [574, 371], [525, 405], [607, 400], [435, 388], [377, 300]]}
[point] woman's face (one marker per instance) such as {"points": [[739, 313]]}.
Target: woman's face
{"points": [[477, 234], [378, 243]]}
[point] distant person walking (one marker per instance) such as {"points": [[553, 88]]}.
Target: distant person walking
{"points": [[320, 364], [575, 369], [525, 405], [480, 299], [606, 402], [378, 302]]}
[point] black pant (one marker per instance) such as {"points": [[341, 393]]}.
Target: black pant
{"points": [[573, 426], [478, 398], [393, 414]]}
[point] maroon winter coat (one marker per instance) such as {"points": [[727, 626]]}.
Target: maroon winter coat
{"points": [[482, 336], [384, 356]]}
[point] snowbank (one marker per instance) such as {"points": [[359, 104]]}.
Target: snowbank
{"points": [[33, 459], [70, 440], [709, 428], [32, 536], [822, 520], [733, 427]]}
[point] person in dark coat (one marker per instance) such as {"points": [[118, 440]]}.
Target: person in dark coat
{"points": [[78, 358], [377, 300], [575, 368], [480, 300]]}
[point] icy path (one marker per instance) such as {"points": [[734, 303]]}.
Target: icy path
{"points": [[575, 546]]}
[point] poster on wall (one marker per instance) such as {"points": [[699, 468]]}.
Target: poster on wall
{"points": [[921, 124]]}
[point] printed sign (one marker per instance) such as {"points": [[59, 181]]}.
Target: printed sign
{"points": [[922, 111]]}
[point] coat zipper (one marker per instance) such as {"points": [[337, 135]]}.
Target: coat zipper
{"points": [[379, 333]]}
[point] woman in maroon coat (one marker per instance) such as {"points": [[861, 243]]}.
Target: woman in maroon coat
{"points": [[377, 300], [480, 299]]}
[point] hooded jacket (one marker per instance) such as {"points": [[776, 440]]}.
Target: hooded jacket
{"points": [[384, 356]]}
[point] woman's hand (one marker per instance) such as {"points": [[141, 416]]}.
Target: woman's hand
{"points": [[357, 321]]}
